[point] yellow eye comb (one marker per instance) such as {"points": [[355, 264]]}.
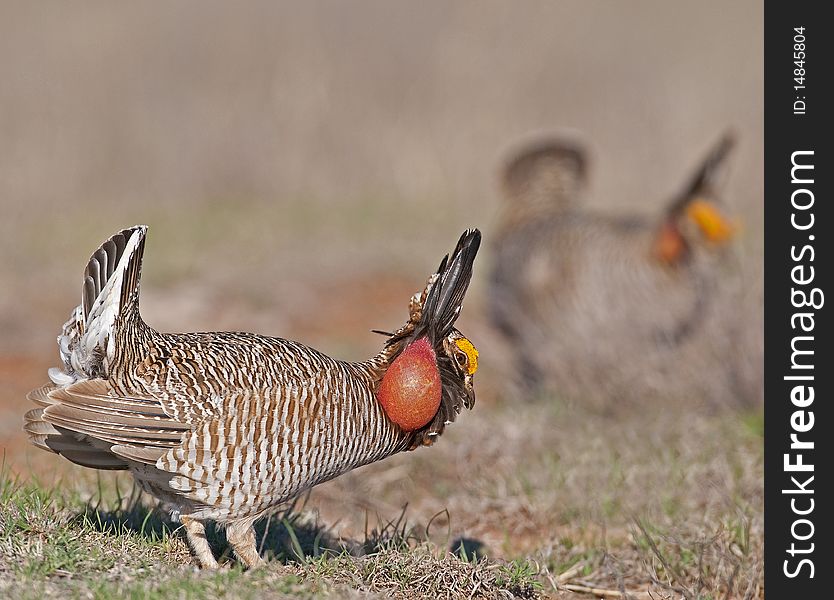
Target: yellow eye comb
{"points": [[471, 353]]}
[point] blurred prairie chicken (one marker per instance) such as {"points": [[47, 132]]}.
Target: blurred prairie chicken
{"points": [[228, 426], [589, 301]]}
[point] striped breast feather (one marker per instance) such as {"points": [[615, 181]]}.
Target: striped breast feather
{"points": [[249, 429], [264, 446]]}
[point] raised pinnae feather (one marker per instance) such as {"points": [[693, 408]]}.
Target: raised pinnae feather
{"points": [[705, 178], [457, 281], [445, 298]]}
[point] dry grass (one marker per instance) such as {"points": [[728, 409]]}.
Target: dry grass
{"points": [[54, 544], [543, 501]]}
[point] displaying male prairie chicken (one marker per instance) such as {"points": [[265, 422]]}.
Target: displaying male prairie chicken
{"points": [[228, 426], [595, 304]]}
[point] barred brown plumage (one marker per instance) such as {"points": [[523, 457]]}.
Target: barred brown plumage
{"points": [[227, 426], [593, 304]]}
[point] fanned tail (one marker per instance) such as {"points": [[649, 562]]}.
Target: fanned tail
{"points": [[547, 176], [110, 291]]}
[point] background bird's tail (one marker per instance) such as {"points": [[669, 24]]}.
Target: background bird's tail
{"points": [[545, 177]]}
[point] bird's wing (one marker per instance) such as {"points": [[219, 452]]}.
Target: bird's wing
{"points": [[88, 423]]}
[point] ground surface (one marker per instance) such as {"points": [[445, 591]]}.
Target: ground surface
{"points": [[302, 169], [556, 502]]}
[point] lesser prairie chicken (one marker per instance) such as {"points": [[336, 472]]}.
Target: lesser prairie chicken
{"points": [[228, 426], [597, 304]]}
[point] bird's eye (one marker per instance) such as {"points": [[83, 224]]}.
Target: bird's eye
{"points": [[467, 358]]}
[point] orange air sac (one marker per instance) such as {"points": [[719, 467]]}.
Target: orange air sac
{"points": [[410, 389], [669, 245]]}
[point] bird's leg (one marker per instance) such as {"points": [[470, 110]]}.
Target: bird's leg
{"points": [[241, 536], [195, 532]]}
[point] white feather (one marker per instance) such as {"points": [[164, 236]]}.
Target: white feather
{"points": [[84, 342]]}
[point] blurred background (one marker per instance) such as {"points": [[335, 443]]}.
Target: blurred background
{"points": [[304, 166]]}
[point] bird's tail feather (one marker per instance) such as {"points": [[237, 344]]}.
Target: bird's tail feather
{"points": [[546, 177], [110, 290]]}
